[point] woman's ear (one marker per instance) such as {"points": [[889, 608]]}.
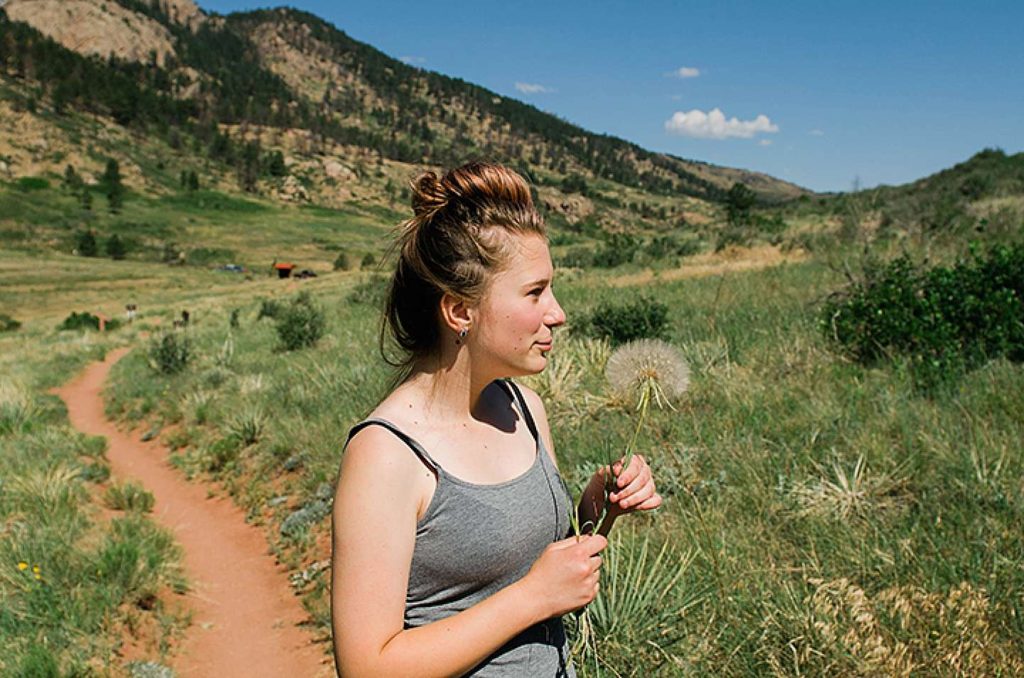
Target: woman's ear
{"points": [[456, 314]]}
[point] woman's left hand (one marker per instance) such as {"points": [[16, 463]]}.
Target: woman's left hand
{"points": [[633, 488]]}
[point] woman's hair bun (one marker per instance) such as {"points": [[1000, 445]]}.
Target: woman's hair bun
{"points": [[429, 196]]}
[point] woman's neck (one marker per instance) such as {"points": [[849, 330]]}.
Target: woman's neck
{"points": [[451, 389]]}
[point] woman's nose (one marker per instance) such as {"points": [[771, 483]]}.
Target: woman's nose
{"points": [[556, 316]]}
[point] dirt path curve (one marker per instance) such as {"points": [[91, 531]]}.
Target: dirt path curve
{"points": [[245, 617]]}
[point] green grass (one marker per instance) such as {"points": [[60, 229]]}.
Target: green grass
{"points": [[251, 231], [69, 581], [798, 486]]}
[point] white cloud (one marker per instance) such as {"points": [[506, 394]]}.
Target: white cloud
{"points": [[676, 97], [764, 142], [412, 60], [532, 88], [685, 72], [816, 133], [714, 125]]}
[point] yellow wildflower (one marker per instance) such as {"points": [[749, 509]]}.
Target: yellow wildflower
{"points": [[22, 566], [35, 569]]}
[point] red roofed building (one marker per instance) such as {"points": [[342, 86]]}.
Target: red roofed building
{"points": [[284, 270]]}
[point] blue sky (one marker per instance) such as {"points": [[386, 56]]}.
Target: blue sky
{"points": [[880, 93]]}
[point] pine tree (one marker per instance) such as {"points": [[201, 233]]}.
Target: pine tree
{"points": [[115, 248], [72, 181], [112, 182], [85, 243]]}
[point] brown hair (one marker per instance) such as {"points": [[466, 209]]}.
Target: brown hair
{"points": [[454, 242]]}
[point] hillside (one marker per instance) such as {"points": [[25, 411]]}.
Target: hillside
{"points": [[270, 73]]}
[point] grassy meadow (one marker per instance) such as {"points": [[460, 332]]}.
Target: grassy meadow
{"points": [[821, 518]]}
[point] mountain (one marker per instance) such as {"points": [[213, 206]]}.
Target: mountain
{"points": [[235, 88]]}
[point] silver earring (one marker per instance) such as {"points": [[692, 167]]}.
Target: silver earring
{"points": [[462, 335]]}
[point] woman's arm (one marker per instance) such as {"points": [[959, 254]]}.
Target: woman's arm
{"points": [[380, 490], [635, 486]]}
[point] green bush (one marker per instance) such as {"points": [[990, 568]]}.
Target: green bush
{"points": [[618, 249], [576, 257], [300, 324], [342, 262], [8, 324], [269, 308], [170, 353], [116, 248], [28, 184], [370, 292], [85, 244], [78, 321], [644, 318], [942, 320]]}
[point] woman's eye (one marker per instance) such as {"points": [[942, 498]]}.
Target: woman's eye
{"points": [[537, 292]]}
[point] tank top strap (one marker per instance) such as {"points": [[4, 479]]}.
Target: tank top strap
{"points": [[418, 449], [517, 397]]}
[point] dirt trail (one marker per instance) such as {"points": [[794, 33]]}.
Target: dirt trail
{"points": [[245, 618]]}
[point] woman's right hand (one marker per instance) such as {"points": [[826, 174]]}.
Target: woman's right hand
{"points": [[565, 576]]}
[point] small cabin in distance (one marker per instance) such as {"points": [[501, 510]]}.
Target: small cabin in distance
{"points": [[284, 270]]}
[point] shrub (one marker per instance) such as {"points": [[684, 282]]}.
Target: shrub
{"points": [[664, 246], [115, 248], [8, 324], [28, 184], [269, 308], [170, 353], [368, 261], [644, 318], [576, 257], [313, 511], [300, 324], [942, 320], [77, 321], [618, 249], [222, 452], [85, 244], [342, 262], [370, 292]]}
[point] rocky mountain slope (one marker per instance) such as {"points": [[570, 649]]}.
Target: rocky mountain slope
{"points": [[286, 80]]}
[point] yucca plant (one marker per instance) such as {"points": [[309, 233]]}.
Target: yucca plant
{"points": [[247, 426], [639, 608], [129, 497]]}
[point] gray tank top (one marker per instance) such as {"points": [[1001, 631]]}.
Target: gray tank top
{"points": [[474, 540]]}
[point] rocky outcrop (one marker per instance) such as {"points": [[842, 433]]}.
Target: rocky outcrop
{"points": [[183, 12], [96, 27]]}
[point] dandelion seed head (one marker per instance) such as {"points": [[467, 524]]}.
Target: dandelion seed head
{"points": [[647, 363]]}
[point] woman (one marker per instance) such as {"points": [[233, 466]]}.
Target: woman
{"points": [[452, 552]]}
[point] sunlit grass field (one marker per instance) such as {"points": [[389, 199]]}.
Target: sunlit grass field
{"points": [[821, 518]]}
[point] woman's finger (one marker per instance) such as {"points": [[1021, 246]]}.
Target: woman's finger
{"points": [[640, 480], [636, 466], [648, 504], [641, 495]]}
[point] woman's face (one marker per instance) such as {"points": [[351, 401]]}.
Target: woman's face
{"points": [[518, 312]]}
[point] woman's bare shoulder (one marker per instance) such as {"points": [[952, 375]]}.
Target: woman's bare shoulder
{"points": [[540, 417]]}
